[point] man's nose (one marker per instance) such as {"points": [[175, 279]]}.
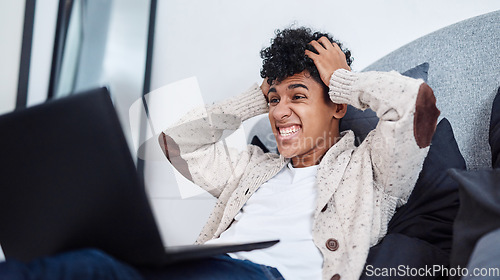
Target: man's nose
{"points": [[282, 110]]}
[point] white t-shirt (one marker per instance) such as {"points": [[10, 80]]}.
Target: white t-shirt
{"points": [[282, 208]]}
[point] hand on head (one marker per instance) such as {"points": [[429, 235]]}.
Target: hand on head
{"points": [[328, 59]]}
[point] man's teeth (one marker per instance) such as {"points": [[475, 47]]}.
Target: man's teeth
{"points": [[285, 131]]}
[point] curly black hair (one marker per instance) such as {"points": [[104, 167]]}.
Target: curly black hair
{"points": [[286, 57]]}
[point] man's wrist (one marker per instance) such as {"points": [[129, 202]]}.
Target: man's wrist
{"points": [[341, 90]]}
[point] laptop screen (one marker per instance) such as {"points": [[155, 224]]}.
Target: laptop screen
{"points": [[69, 182]]}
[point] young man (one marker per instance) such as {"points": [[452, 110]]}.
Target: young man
{"points": [[327, 200]]}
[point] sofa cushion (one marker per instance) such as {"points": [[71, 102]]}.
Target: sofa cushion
{"points": [[396, 250], [479, 211], [486, 255], [420, 233], [433, 204]]}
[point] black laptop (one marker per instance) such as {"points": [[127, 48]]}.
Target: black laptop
{"points": [[68, 181]]}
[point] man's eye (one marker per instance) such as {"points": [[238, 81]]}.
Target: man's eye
{"points": [[296, 97], [274, 101]]}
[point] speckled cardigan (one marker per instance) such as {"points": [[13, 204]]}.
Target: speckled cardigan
{"points": [[359, 187]]}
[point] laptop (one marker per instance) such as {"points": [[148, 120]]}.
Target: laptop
{"points": [[68, 181]]}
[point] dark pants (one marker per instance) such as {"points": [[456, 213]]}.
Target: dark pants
{"points": [[94, 264]]}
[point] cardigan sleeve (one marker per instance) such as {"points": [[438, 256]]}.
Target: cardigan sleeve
{"points": [[407, 120], [195, 144]]}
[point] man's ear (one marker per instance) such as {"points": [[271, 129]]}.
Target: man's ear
{"points": [[339, 110]]}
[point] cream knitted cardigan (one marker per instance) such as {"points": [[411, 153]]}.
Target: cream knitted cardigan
{"points": [[359, 187]]}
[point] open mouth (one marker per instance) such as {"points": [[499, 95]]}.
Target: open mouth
{"points": [[289, 130]]}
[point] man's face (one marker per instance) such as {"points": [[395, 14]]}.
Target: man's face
{"points": [[304, 123]]}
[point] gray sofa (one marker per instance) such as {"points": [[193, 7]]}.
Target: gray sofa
{"points": [[464, 72]]}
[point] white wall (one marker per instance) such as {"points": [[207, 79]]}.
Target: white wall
{"points": [[11, 32], [219, 42]]}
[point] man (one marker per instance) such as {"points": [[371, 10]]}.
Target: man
{"points": [[325, 199]]}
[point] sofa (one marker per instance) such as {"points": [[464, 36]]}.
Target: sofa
{"points": [[464, 72]]}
